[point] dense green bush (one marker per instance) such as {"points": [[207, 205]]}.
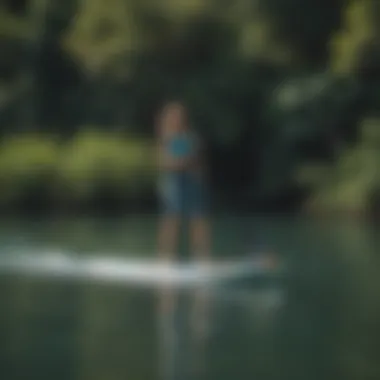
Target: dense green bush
{"points": [[355, 177], [27, 163], [97, 161], [77, 170]]}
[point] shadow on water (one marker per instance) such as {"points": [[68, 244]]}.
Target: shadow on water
{"points": [[322, 322]]}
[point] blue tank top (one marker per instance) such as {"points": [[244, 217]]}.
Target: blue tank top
{"points": [[180, 146]]}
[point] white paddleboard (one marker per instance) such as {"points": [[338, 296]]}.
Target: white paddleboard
{"points": [[126, 270]]}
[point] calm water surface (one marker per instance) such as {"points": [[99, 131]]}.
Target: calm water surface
{"points": [[323, 322]]}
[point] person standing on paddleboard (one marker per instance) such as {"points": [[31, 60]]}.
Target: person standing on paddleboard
{"points": [[181, 183]]}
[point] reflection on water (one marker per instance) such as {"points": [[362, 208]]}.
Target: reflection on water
{"points": [[324, 324]]}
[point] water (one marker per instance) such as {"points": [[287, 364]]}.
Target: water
{"points": [[323, 323]]}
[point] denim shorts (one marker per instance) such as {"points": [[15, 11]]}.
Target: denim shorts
{"points": [[182, 194]]}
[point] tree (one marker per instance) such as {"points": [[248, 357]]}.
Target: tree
{"points": [[355, 40], [256, 34], [103, 35], [303, 27]]}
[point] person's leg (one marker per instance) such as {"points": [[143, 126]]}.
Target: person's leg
{"points": [[201, 305], [167, 246], [168, 236], [169, 227], [200, 240], [199, 222], [200, 237]]}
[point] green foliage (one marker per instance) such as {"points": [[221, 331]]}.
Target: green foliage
{"points": [[12, 27], [303, 28], [102, 34], [356, 175], [108, 36], [359, 29], [95, 161], [312, 174], [370, 133], [26, 163], [224, 60], [76, 171]]}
